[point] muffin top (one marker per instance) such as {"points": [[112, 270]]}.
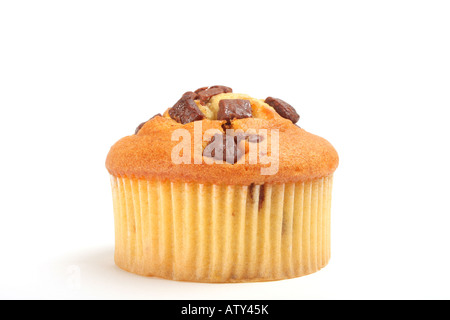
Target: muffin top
{"points": [[216, 136]]}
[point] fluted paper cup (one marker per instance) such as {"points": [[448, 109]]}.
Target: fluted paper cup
{"points": [[222, 233]]}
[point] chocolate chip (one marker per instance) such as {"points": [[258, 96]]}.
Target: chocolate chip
{"points": [[230, 109], [261, 197], [190, 95], [255, 138], [250, 190], [186, 110], [283, 109], [226, 150], [156, 115], [205, 93], [143, 123], [201, 89], [139, 127], [261, 194], [224, 88], [226, 126], [252, 138]]}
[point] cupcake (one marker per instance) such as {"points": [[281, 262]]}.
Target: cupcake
{"points": [[222, 187]]}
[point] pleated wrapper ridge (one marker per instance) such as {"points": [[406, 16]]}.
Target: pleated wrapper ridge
{"points": [[222, 233]]}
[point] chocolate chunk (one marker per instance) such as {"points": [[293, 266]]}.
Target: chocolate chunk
{"points": [[230, 109], [261, 197], [283, 109], [201, 89], [143, 123], [139, 127], [156, 115], [252, 138], [224, 88], [250, 190], [186, 110], [226, 150], [261, 194], [205, 93], [190, 95], [226, 126]]}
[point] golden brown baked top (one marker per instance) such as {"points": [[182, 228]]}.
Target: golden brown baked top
{"points": [[266, 146]]}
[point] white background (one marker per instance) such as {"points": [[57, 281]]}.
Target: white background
{"points": [[373, 77]]}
